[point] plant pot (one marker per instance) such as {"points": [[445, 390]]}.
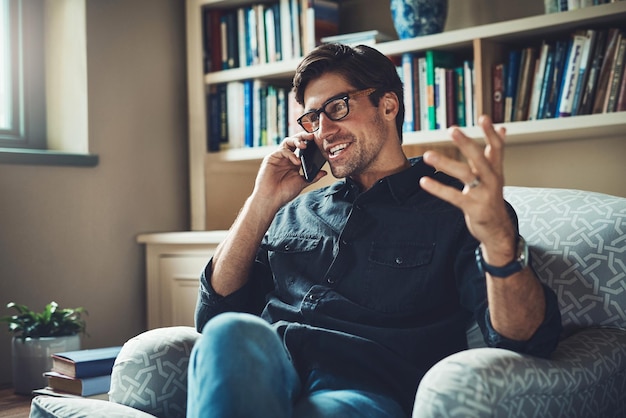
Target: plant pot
{"points": [[413, 18], [32, 357]]}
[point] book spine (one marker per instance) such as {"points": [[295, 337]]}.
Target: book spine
{"points": [[440, 98], [570, 77], [510, 89], [538, 82], [248, 113], [423, 98], [583, 72], [605, 70], [459, 88], [621, 98], [545, 84], [615, 76], [468, 75], [450, 97], [407, 78], [498, 93], [286, 40], [554, 90], [242, 40], [589, 92], [520, 108], [416, 93]]}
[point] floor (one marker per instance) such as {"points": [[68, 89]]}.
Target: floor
{"points": [[12, 405]]}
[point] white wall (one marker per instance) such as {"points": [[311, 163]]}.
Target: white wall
{"points": [[68, 233]]}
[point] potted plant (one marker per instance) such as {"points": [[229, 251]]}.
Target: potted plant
{"points": [[36, 336]]}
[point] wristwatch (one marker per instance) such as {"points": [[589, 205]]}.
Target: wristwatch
{"points": [[517, 264]]}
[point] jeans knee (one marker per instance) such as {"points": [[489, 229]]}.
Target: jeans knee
{"points": [[231, 325]]}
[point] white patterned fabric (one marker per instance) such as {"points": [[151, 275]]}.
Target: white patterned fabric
{"points": [[54, 407], [578, 245], [150, 373]]}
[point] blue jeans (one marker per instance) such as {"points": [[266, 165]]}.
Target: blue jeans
{"points": [[239, 368]]}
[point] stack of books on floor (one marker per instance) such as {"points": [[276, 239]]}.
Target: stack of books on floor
{"points": [[81, 373]]}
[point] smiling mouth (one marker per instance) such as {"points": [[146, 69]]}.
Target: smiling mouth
{"points": [[337, 149]]}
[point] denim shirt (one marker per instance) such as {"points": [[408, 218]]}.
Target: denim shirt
{"points": [[375, 287]]}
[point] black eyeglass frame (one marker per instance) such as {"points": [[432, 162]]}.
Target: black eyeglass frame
{"points": [[322, 109]]}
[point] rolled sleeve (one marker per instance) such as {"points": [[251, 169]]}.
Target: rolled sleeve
{"points": [[250, 298], [544, 340]]}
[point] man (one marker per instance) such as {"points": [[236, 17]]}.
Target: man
{"points": [[361, 286]]}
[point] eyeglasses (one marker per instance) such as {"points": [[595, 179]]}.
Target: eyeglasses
{"points": [[336, 109]]}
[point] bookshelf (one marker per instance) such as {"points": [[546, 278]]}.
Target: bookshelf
{"points": [[220, 181]]}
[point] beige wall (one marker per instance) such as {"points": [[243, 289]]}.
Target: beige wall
{"points": [[68, 234]]}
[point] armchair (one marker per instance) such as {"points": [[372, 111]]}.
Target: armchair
{"points": [[578, 246]]}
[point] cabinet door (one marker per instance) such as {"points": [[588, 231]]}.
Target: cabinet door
{"points": [[179, 277]]}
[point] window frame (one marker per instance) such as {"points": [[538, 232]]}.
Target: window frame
{"points": [[29, 143], [28, 127]]}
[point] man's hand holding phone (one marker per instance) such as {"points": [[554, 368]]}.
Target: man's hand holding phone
{"points": [[312, 160]]}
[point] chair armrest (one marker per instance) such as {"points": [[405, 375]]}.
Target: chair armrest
{"points": [[586, 377], [150, 373]]}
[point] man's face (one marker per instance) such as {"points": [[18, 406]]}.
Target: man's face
{"points": [[353, 144]]}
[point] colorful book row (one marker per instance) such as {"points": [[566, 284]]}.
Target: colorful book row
{"points": [[266, 32], [438, 91], [580, 75], [250, 113]]}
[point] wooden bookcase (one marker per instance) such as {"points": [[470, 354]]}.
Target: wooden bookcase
{"points": [[219, 182]]}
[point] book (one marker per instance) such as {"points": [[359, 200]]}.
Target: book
{"points": [[322, 21], [524, 85], [583, 71], [408, 92], [85, 363], [615, 76], [369, 37], [423, 100], [554, 89], [570, 77], [545, 83], [510, 88], [459, 88], [85, 386], [435, 58], [497, 102], [450, 83], [589, 91], [470, 99], [621, 98], [540, 70], [605, 70]]}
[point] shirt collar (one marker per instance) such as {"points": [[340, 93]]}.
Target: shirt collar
{"points": [[401, 185]]}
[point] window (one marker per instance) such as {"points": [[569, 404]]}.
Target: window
{"points": [[43, 124], [22, 89]]}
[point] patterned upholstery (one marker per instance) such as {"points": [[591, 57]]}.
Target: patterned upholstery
{"points": [[578, 245], [150, 373]]}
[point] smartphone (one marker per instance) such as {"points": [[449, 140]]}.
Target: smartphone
{"points": [[312, 160]]}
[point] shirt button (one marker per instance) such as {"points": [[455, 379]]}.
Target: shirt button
{"points": [[330, 280], [311, 297], [287, 247], [399, 260]]}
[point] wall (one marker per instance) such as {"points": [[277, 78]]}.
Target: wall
{"points": [[68, 233]]}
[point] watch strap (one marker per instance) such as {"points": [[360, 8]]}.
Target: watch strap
{"points": [[519, 262]]}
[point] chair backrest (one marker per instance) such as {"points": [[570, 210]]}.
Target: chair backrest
{"points": [[578, 246]]}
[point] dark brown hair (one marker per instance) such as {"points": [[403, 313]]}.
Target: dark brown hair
{"points": [[361, 66]]}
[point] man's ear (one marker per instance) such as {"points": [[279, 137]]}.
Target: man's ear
{"points": [[390, 105]]}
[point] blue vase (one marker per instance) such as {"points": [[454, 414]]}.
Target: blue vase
{"points": [[413, 18]]}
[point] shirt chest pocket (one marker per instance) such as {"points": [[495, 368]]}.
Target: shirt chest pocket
{"points": [[398, 277], [294, 258]]}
